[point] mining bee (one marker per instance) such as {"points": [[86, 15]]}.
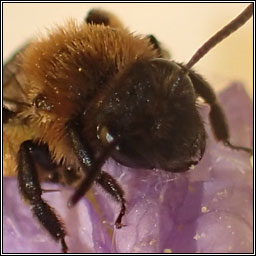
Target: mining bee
{"points": [[88, 92]]}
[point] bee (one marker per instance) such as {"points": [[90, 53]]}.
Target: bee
{"points": [[88, 92]]}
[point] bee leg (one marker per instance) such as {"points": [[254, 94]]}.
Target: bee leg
{"points": [[31, 191], [162, 52], [114, 189], [217, 117], [92, 168], [101, 17], [89, 165], [155, 44], [86, 159]]}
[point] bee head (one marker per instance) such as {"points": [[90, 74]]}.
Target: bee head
{"points": [[151, 113]]}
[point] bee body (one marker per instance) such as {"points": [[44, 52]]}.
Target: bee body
{"points": [[88, 92]]}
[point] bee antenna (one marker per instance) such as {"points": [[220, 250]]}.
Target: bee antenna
{"points": [[235, 24]]}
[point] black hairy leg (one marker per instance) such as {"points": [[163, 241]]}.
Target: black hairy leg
{"points": [[155, 44], [162, 52], [86, 159], [31, 191], [92, 169], [102, 17], [99, 17], [113, 188], [217, 117]]}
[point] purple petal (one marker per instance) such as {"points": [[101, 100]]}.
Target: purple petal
{"points": [[208, 209], [23, 234]]}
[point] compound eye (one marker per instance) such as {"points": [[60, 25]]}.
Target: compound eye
{"points": [[104, 135]]}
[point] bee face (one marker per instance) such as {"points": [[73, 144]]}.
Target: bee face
{"points": [[149, 130]]}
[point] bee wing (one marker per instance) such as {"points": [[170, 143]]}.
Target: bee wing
{"points": [[13, 82]]}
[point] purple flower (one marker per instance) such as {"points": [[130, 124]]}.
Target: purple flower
{"points": [[208, 209]]}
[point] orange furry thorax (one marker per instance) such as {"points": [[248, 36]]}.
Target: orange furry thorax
{"points": [[75, 61]]}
